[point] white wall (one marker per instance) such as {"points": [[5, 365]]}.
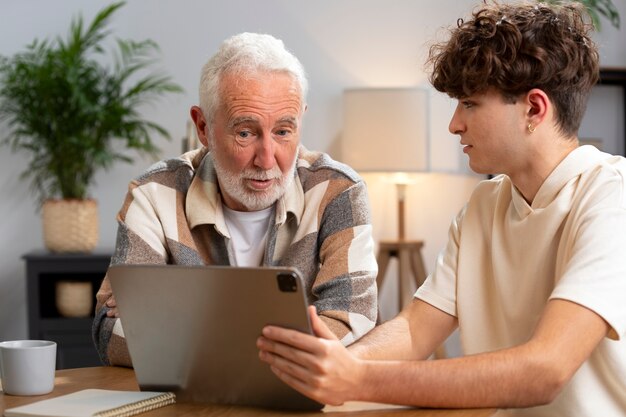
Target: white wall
{"points": [[342, 43]]}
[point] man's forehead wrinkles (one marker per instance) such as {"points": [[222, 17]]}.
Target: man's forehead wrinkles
{"points": [[263, 102], [236, 121], [243, 110], [288, 119], [242, 120]]}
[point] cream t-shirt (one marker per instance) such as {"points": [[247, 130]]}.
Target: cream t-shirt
{"points": [[248, 234], [505, 259]]}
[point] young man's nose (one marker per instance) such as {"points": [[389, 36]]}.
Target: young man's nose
{"points": [[456, 126]]}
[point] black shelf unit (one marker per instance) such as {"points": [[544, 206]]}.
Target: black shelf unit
{"points": [[75, 348]]}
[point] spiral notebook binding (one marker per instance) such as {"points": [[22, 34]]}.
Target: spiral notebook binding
{"points": [[140, 406]]}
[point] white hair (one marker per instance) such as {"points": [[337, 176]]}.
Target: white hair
{"points": [[247, 54]]}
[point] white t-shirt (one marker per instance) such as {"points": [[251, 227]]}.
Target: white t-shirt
{"points": [[248, 234], [505, 259]]}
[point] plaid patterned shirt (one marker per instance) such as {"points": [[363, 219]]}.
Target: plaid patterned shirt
{"points": [[173, 215]]}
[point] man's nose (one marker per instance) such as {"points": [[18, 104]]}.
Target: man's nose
{"points": [[264, 157], [456, 126]]}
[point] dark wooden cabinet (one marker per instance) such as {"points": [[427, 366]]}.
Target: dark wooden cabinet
{"points": [[44, 270]]}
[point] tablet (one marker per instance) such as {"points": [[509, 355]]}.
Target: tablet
{"points": [[192, 330]]}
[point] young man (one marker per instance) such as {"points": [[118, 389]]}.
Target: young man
{"points": [[251, 196], [533, 274]]}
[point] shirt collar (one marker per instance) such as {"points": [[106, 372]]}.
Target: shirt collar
{"points": [[574, 164]]}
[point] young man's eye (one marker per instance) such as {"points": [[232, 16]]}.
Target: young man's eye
{"points": [[467, 104]]}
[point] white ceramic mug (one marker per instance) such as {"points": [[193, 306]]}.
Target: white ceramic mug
{"points": [[27, 366]]}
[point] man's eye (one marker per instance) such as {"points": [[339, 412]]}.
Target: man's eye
{"points": [[467, 104], [282, 132], [244, 134]]}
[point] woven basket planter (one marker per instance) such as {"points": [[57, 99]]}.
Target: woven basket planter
{"points": [[70, 225], [74, 298]]}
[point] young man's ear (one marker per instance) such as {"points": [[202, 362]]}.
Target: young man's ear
{"points": [[538, 104], [201, 125]]}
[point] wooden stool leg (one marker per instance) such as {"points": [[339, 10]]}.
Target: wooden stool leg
{"points": [[383, 261], [419, 270], [405, 295]]}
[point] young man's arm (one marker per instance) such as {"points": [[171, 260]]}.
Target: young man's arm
{"points": [[404, 339], [526, 375]]}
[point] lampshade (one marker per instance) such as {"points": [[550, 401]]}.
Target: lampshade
{"points": [[386, 129]]}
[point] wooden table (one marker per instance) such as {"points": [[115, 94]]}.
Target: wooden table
{"points": [[71, 380]]}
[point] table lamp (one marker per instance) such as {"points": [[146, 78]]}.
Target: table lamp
{"points": [[386, 131]]}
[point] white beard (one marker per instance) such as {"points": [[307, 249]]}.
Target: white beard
{"points": [[253, 200]]}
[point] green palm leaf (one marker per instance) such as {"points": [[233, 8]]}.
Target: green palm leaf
{"points": [[66, 109]]}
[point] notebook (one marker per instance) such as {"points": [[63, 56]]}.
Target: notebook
{"points": [[95, 403], [192, 330]]}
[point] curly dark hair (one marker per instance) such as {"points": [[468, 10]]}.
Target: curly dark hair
{"points": [[514, 48]]}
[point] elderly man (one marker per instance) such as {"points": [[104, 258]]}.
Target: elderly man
{"points": [[252, 195]]}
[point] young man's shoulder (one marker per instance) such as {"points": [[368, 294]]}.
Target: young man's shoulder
{"points": [[611, 167], [606, 181]]}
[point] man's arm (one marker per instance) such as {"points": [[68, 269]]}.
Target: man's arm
{"points": [[345, 285], [530, 374], [404, 339], [131, 247], [107, 330]]}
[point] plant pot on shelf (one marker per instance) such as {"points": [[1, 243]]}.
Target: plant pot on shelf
{"points": [[74, 298], [70, 225]]}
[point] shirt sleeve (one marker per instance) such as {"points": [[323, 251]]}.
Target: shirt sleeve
{"points": [[138, 236], [595, 274], [439, 289], [345, 286]]}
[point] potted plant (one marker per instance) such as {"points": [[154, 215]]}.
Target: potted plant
{"points": [[68, 110]]}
